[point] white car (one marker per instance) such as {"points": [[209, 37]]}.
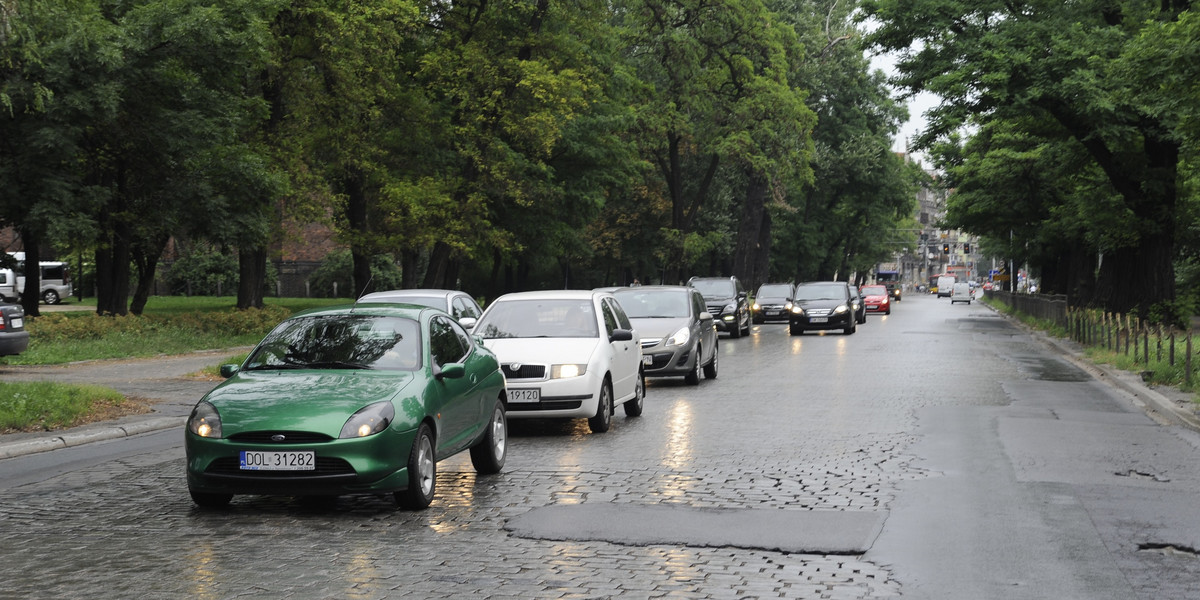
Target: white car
{"points": [[565, 353], [457, 304]]}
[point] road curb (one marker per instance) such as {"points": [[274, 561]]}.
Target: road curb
{"points": [[1131, 383], [78, 437]]}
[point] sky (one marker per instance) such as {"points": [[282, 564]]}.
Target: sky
{"points": [[917, 106]]}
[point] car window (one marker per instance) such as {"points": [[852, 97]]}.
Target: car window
{"points": [[445, 343], [775, 291], [545, 318], [874, 290], [340, 342], [821, 292], [610, 317], [654, 303], [621, 314], [698, 304], [464, 308], [715, 288]]}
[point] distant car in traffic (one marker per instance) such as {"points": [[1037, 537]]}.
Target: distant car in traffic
{"points": [[876, 299], [459, 305], [566, 354], [772, 302], [858, 305], [821, 305], [350, 399], [962, 292], [13, 337], [677, 332], [727, 302]]}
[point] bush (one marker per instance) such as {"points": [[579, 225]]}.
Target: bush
{"points": [[204, 273]]}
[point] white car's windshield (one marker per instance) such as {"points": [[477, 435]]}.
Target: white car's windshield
{"points": [[656, 304], [539, 319]]}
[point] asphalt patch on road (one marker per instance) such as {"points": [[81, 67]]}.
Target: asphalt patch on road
{"points": [[781, 530]]}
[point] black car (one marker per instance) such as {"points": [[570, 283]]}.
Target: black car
{"points": [[860, 305], [13, 337], [773, 302], [727, 302], [677, 332], [821, 305]]}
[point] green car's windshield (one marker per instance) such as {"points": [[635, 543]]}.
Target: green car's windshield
{"points": [[550, 318], [340, 342], [654, 304]]}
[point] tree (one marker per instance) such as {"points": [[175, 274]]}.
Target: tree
{"points": [[1001, 60]]}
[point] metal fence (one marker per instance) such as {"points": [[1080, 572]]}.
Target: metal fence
{"points": [[1048, 307]]}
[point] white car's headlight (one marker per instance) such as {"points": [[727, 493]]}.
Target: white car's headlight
{"points": [[680, 338], [205, 421], [567, 371], [369, 420]]}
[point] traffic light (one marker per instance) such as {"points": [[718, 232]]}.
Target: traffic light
{"points": [[945, 248], [967, 248]]}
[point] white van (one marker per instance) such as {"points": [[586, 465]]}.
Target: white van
{"points": [[962, 293], [55, 280], [945, 285]]}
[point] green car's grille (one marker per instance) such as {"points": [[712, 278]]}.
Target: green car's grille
{"points": [[326, 466], [280, 437]]}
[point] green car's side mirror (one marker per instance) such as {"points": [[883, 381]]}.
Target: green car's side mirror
{"points": [[227, 371]]}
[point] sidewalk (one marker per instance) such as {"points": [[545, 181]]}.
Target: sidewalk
{"points": [[163, 381]]}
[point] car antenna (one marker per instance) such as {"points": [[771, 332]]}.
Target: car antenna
{"points": [[366, 286]]}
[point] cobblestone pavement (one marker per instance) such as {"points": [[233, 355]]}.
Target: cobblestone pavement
{"points": [[791, 424]]}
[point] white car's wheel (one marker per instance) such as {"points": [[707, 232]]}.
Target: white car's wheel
{"points": [[603, 419], [633, 408]]}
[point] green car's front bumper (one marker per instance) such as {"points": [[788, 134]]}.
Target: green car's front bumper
{"points": [[376, 463]]}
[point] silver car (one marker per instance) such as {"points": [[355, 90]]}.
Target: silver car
{"points": [[459, 305], [677, 331]]}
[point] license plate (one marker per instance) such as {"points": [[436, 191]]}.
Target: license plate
{"points": [[647, 360], [773, 312], [277, 461], [819, 320], [524, 395], [18, 322]]}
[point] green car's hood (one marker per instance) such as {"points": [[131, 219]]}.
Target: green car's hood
{"points": [[319, 401]]}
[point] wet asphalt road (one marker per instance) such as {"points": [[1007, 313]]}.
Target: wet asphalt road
{"points": [[940, 452]]}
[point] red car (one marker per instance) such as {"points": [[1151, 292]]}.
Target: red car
{"points": [[876, 299]]}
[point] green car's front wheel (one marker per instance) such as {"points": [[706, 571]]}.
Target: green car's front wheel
{"points": [[422, 472], [210, 500], [487, 455]]}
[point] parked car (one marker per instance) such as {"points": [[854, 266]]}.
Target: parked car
{"points": [[13, 337], [772, 302], [677, 332], [55, 280], [727, 302], [460, 305], [566, 354], [821, 305], [349, 399], [876, 299], [860, 307]]}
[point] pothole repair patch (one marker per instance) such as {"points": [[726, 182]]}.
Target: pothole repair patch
{"points": [[795, 531]]}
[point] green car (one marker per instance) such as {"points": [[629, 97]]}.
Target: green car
{"points": [[347, 400]]}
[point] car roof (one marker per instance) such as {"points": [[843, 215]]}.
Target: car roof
{"points": [[656, 288], [553, 295], [407, 292], [378, 309]]}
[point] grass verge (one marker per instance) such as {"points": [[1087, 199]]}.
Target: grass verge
{"points": [[46, 406]]}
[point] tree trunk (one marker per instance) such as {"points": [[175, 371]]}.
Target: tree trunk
{"points": [[145, 258], [749, 237], [435, 276], [31, 294], [354, 186], [252, 277], [112, 264]]}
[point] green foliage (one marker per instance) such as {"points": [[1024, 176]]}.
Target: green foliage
{"points": [[204, 273], [47, 406], [337, 269]]}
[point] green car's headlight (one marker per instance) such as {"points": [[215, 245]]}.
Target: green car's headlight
{"points": [[369, 420], [205, 421]]}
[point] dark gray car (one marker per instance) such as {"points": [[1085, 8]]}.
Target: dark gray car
{"points": [[677, 331], [727, 302], [13, 337], [820, 305]]}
